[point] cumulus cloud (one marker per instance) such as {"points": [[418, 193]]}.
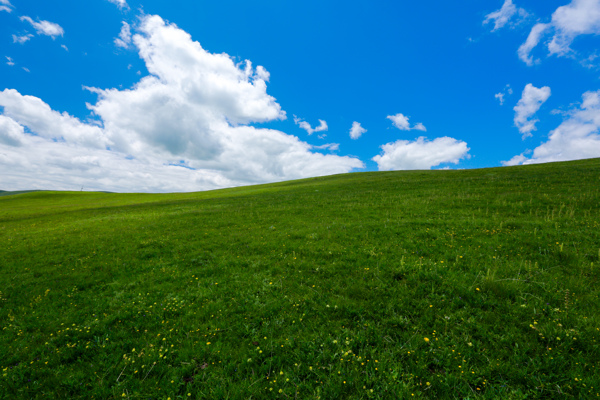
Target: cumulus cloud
{"points": [[400, 121], [356, 131], [124, 39], [183, 127], [420, 153], [45, 27], [580, 17], [122, 4], [503, 16], [531, 101], [22, 39], [11, 133], [306, 126], [43, 121], [575, 138]]}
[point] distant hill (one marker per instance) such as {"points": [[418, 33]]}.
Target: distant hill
{"points": [[9, 193]]}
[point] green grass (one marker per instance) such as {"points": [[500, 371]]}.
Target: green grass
{"points": [[424, 284]]}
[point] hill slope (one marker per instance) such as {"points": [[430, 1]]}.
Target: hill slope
{"points": [[437, 284]]}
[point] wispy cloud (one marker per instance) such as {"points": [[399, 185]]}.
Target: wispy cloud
{"points": [[504, 15], [124, 39], [328, 146], [22, 39], [45, 27], [122, 4], [10, 61], [507, 91], [580, 17], [5, 6], [306, 126]]}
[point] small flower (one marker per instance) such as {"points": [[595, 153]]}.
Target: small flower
{"points": [[426, 339]]}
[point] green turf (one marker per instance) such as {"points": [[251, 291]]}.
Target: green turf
{"points": [[383, 285]]}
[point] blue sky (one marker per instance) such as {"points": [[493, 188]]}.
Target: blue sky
{"points": [[159, 96]]}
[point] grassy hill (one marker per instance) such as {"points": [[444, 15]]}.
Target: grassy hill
{"points": [[382, 285]]}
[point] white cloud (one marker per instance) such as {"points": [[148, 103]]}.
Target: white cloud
{"points": [[9, 61], [575, 138], [420, 153], [10, 132], [531, 101], [183, 127], [21, 39], [532, 40], [507, 91], [502, 16], [356, 131], [124, 39], [500, 97], [122, 4], [6, 6], [43, 121], [45, 27], [306, 126], [516, 160], [328, 146], [400, 121], [26, 69], [64, 47], [580, 17]]}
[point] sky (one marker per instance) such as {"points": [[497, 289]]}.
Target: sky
{"points": [[191, 95]]}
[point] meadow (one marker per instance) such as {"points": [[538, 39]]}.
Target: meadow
{"points": [[473, 284]]}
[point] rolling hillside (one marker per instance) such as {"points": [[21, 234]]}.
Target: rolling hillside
{"points": [[379, 285]]}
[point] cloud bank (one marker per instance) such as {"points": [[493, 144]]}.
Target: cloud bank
{"points": [[186, 126]]}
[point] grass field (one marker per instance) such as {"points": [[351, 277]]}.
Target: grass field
{"points": [[422, 284]]}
